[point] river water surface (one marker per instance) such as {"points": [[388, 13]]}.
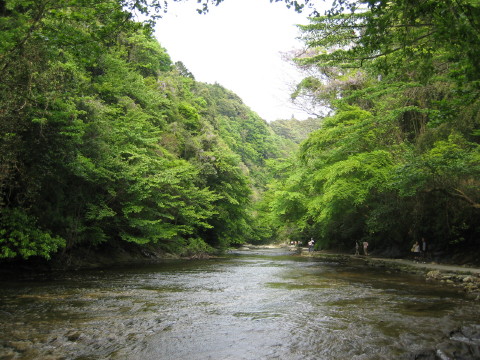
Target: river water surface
{"points": [[249, 305]]}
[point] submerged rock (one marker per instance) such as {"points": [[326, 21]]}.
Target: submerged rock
{"points": [[422, 355], [434, 274], [461, 344]]}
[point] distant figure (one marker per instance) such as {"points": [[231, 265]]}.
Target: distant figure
{"points": [[357, 247], [365, 247], [415, 250], [310, 245], [424, 248]]}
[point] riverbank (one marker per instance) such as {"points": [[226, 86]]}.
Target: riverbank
{"points": [[465, 278], [85, 258]]}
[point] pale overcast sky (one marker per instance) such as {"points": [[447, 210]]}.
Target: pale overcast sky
{"points": [[238, 44]]}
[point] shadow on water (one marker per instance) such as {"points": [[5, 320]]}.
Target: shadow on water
{"points": [[257, 304]]}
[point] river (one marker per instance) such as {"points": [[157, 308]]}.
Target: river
{"points": [[263, 304]]}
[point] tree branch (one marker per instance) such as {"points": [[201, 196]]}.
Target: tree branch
{"points": [[457, 194]]}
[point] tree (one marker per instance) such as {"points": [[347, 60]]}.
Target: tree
{"points": [[87, 98], [414, 93], [104, 141]]}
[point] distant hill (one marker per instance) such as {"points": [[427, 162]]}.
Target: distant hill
{"points": [[295, 130]]}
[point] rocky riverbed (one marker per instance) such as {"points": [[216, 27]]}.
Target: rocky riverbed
{"points": [[250, 304], [469, 283], [461, 343], [466, 279]]}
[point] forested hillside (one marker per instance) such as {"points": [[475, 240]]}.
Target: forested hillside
{"points": [[295, 130], [399, 158], [104, 140]]}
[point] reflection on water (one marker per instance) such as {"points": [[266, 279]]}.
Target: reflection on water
{"points": [[251, 305]]}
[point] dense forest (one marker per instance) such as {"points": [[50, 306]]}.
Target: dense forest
{"points": [[399, 157], [104, 141]]}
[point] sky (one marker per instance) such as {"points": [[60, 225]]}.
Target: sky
{"points": [[238, 44]]}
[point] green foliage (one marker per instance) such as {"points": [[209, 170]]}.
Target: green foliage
{"points": [[190, 115], [102, 139], [20, 236], [295, 130], [398, 159], [384, 32], [196, 246]]}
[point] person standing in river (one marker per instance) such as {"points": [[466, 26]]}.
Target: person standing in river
{"points": [[310, 245], [424, 249], [365, 248], [357, 246], [416, 251]]}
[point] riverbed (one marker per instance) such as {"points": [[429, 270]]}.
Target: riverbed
{"points": [[252, 304]]}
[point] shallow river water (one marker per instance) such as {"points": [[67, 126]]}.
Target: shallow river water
{"points": [[249, 305]]}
